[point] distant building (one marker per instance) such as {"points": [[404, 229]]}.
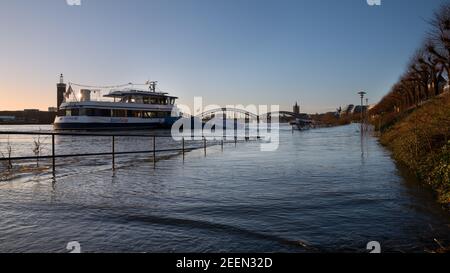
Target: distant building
{"points": [[296, 109], [348, 109], [27, 116], [7, 118], [53, 109], [31, 110], [360, 109]]}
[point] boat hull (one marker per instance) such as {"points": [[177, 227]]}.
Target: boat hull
{"points": [[80, 123]]}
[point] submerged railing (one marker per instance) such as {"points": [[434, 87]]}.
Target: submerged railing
{"points": [[113, 153]]}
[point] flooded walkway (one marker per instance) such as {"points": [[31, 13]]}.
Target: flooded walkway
{"points": [[323, 190]]}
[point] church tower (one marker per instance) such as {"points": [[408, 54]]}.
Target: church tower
{"points": [[61, 89], [296, 108]]}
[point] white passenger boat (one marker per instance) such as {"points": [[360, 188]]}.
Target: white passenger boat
{"points": [[127, 108]]}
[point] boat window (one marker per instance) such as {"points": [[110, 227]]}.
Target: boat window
{"points": [[149, 114], [128, 99], [146, 100], [163, 114], [138, 99], [119, 113], [163, 101], [93, 112], [90, 112], [134, 114], [72, 112], [102, 112]]}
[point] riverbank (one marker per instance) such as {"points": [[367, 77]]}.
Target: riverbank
{"points": [[420, 140]]}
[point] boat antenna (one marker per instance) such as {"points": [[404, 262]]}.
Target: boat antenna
{"points": [[152, 86]]}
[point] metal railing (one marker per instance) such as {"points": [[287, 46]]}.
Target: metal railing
{"points": [[53, 156]]}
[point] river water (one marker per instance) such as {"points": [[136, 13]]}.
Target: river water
{"points": [[326, 190]]}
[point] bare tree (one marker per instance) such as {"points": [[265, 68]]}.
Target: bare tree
{"points": [[421, 73], [439, 37], [8, 154], [37, 149], [435, 65]]}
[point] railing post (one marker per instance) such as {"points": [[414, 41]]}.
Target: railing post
{"points": [[221, 143], [113, 152], [224, 125], [204, 144], [154, 150], [235, 141], [257, 127], [235, 129], [53, 155], [247, 127], [183, 148]]}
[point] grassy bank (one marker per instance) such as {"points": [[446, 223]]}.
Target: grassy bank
{"points": [[420, 140]]}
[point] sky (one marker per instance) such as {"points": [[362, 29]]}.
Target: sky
{"points": [[272, 52]]}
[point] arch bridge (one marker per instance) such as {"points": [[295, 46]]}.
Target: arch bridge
{"points": [[248, 114], [227, 110]]}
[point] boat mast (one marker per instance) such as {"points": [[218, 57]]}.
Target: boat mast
{"points": [[152, 86]]}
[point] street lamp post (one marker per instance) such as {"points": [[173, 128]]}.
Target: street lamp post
{"points": [[362, 94], [367, 111]]}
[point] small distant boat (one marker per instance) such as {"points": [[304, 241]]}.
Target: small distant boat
{"points": [[302, 124], [126, 109]]}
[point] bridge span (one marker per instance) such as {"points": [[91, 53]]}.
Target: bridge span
{"points": [[248, 114]]}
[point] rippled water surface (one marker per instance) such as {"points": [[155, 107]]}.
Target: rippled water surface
{"points": [[322, 190]]}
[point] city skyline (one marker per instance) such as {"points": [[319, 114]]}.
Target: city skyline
{"points": [[228, 52]]}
